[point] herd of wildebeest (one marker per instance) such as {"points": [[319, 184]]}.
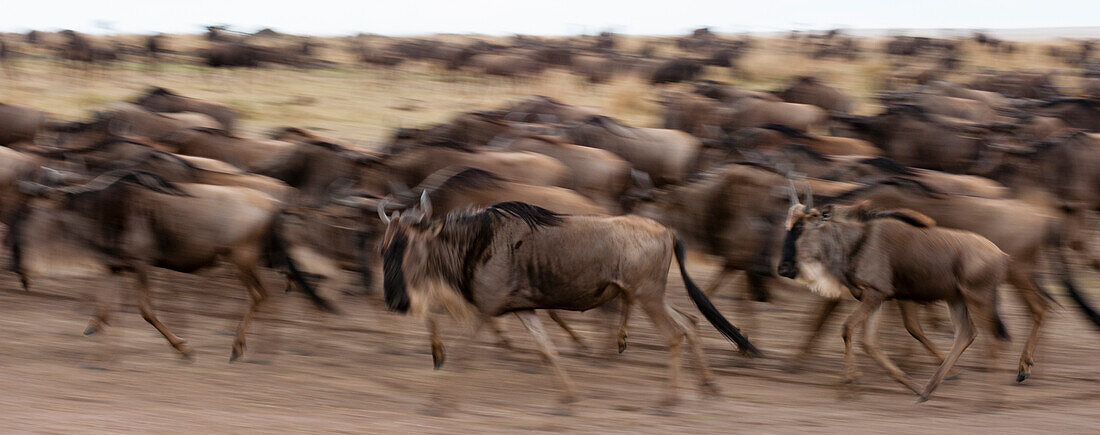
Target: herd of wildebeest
{"points": [[951, 190]]}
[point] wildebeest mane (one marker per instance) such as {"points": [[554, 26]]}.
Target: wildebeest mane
{"points": [[810, 152], [533, 215], [888, 165], [1084, 102], [787, 130], [903, 183], [908, 216], [468, 178], [160, 92]]}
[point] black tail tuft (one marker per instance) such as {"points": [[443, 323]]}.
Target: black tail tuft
{"points": [[279, 258], [710, 312], [1080, 300], [1059, 259]]}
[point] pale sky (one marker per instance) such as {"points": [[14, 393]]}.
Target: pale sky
{"points": [[547, 17]]}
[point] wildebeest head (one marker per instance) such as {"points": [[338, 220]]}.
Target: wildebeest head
{"points": [[402, 227], [817, 240]]}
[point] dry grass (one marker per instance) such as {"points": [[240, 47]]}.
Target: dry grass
{"points": [[362, 104]]}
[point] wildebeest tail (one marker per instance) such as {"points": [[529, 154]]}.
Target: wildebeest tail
{"points": [[999, 328], [1058, 258], [279, 258], [709, 311]]}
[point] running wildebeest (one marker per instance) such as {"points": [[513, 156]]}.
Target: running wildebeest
{"points": [[513, 257], [895, 256], [133, 221]]}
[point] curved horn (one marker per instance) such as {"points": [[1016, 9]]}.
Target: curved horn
{"points": [[793, 193], [382, 211], [809, 197], [425, 205]]}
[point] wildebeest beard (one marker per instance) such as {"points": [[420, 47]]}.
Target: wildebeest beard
{"points": [[787, 266], [393, 280]]}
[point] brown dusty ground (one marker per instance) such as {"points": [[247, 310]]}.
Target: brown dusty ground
{"points": [[367, 370]]}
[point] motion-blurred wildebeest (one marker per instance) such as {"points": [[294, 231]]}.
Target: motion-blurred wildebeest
{"points": [[127, 221], [158, 99], [20, 123], [676, 70], [893, 256], [516, 258]]}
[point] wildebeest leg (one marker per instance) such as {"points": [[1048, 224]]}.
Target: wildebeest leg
{"points": [[572, 334], [870, 303], [438, 356], [828, 306], [911, 319], [624, 317], [658, 311], [101, 315], [534, 326], [870, 345], [498, 332], [964, 335], [257, 293], [706, 381], [719, 278], [1037, 305], [147, 313]]}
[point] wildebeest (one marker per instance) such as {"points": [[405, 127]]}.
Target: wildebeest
{"points": [[127, 221], [1002, 221], [1076, 112], [729, 95], [878, 259], [162, 100], [753, 112], [245, 153], [545, 109], [912, 136], [19, 123], [668, 156], [457, 188], [772, 136], [811, 90], [596, 173], [676, 70], [516, 258], [381, 174]]}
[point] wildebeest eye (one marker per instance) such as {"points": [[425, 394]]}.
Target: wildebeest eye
{"points": [[826, 213]]}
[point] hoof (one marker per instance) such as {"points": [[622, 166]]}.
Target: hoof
{"points": [[90, 330], [710, 389], [1022, 376], [622, 347], [922, 398], [235, 354], [437, 361]]}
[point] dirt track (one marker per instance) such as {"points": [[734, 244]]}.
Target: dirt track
{"points": [[370, 371]]}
